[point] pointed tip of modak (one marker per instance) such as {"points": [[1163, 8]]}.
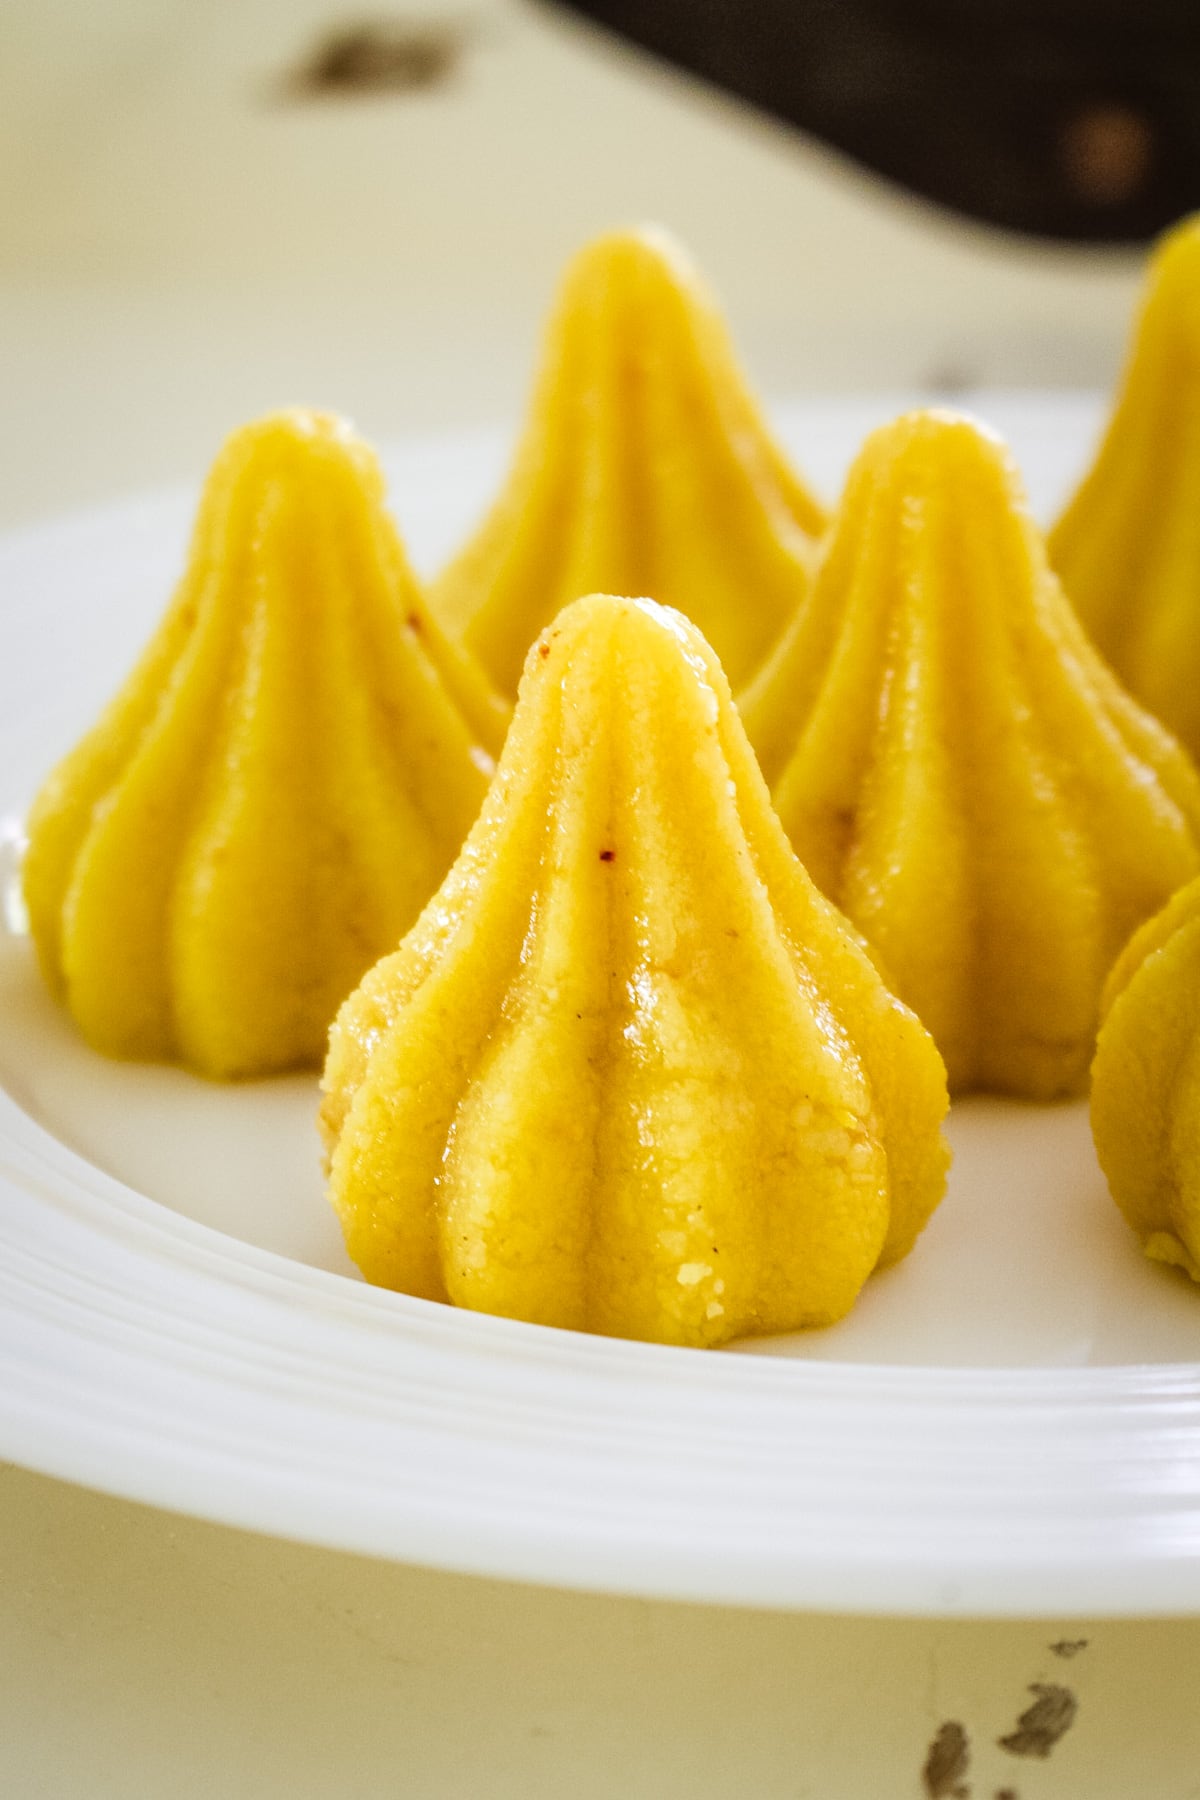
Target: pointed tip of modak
{"points": [[299, 424], [626, 620], [294, 433], [635, 272], [634, 610], [646, 248], [299, 446], [937, 452], [939, 436]]}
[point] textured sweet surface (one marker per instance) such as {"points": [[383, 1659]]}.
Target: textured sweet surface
{"points": [[644, 467], [1146, 1083], [1128, 544], [959, 770], [630, 1072], [278, 787]]}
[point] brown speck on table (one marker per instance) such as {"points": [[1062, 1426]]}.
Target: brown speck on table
{"points": [[1041, 1725], [1069, 1646], [383, 56], [947, 1763]]}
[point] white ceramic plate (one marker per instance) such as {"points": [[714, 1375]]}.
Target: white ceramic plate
{"points": [[1008, 1423]]}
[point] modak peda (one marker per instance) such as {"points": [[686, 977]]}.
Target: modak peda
{"points": [[630, 1072]]}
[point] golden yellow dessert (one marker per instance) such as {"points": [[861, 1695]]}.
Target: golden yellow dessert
{"points": [[958, 769], [630, 1073], [1127, 547], [278, 788], [644, 467], [1146, 1083]]}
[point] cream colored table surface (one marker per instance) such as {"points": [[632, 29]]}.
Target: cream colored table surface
{"points": [[181, 246]]}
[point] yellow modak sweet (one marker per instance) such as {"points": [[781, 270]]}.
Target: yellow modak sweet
{"points": [[1127, 546], [278, 788], [644, 467], [630, 1073], [1146, 1083], [957, 768]]}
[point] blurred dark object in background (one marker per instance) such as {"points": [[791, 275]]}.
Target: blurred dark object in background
{"points": [[384, 56], [1063, 118]]}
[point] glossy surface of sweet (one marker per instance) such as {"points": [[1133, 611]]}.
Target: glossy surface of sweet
{"points": [[1146, 1083], [630, 1072], [1127, 547], [277, 789], [959, 770], [644, 467]]}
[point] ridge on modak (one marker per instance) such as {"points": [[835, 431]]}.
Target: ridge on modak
{"points": [[278, 787], [1146, 1083], [959, 770], [630, 1073], [1127, 546], [644, 467]]}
